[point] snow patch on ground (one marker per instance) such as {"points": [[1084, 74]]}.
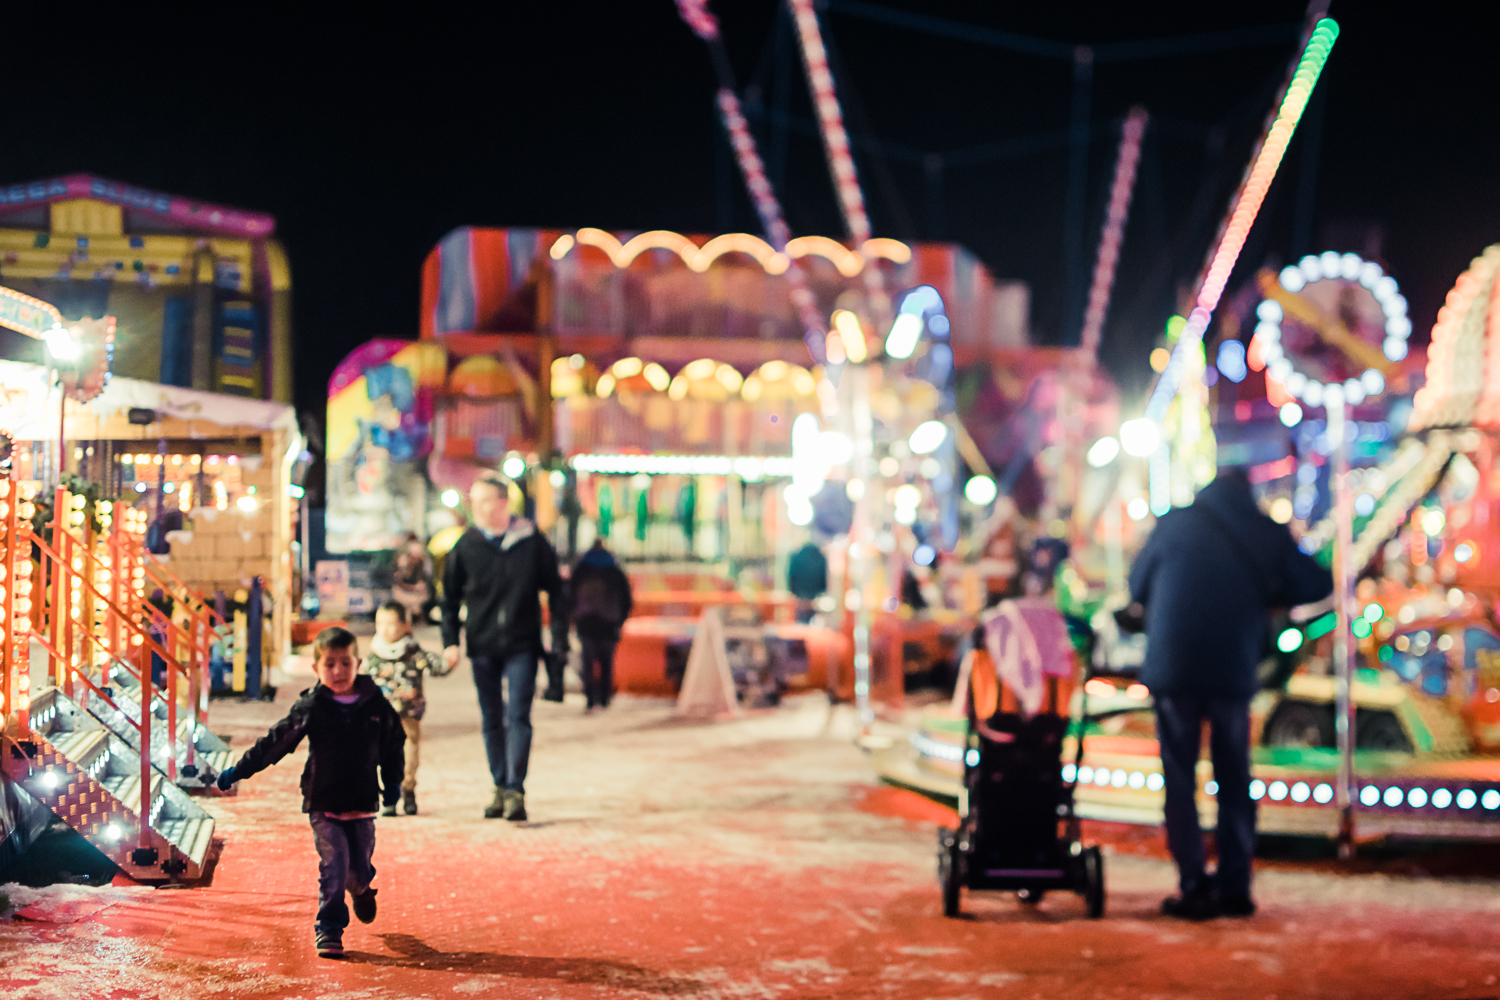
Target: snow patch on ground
{"points": [[64, 903]]}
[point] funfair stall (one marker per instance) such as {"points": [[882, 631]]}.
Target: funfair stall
{"points": [[209, 473], [686, 393]]}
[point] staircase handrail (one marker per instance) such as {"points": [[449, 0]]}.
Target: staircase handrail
{"points": [[172, 662], [195, 670], [199, 638], [62, 568], [165, 578], [102, 693]]}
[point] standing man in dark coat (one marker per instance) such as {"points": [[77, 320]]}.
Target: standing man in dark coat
{"points": [[499, 567], [601, 603], [1206, 578]]}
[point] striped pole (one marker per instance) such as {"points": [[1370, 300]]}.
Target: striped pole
{"points": [[1244, 208], [696, 15], [1126, 161], [836, 146]]}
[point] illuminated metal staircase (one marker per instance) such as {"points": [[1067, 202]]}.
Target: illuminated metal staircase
{"points": [[75, 746], [200, 755], [92, 780]]}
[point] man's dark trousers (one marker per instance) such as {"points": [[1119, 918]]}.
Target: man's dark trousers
{"points": [[1179, 728], [598, 668], [506, 721]]}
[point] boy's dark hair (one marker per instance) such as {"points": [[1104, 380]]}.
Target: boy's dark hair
{"points": [[332, 638], [394, 606]]}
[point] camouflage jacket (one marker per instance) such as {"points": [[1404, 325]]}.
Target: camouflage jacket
{"points": [[400, 677]]}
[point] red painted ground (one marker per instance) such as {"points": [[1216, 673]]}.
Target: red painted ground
{"points": [[748, 859]]}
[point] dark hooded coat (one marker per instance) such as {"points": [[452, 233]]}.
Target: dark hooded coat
{"points": [[1207, 577]]}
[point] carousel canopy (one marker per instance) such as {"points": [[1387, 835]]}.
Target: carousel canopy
{"points": [[1463, 369], [660, 294]]}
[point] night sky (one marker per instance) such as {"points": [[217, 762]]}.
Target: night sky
{"points": [[370, 137]]}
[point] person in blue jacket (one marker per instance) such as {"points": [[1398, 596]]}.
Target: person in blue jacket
{"points": [[1207, 577]]}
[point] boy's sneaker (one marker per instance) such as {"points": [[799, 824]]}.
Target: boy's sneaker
{"points": [[389, 810], [515, 807], [364, 905], [330, 944], [496, 808], [408, 803]]}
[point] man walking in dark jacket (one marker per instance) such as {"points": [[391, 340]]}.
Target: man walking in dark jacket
{"points": [[1206, 578], [499, 567], [601, 603]]}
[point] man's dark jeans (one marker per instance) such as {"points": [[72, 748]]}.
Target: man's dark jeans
{"points": [[598, 669], [1179, 727], [344, 850], [506, 722]]}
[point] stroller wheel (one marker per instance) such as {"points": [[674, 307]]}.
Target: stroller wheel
{"points": [[1093, 882], [1031, 897], [950, 871]]}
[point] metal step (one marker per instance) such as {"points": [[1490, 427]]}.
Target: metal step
{"points": [[121, 719], [91, 779]]}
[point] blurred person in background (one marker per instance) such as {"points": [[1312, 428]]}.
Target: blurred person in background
{"points": [[499, 568], [1206, 580], [411, 579], [601, 602], [807, 579]]}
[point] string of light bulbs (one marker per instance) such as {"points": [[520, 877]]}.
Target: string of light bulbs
{"points": [[1247, 206]]}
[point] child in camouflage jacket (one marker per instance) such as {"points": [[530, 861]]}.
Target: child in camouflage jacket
{"points": [[398, 666]]}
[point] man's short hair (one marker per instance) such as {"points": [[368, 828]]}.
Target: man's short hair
{"points": [[332, 637], [395, 607], [504, 484]]}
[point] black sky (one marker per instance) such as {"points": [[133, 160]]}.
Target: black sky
{"points": [[370, 136]]}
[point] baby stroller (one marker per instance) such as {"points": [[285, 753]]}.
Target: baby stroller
{"points": [[1017, 828]]}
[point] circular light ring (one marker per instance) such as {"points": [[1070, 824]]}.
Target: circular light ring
{"points": [[1332, 266]]}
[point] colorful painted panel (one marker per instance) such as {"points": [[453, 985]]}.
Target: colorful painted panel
{"points": [[380, 413]]}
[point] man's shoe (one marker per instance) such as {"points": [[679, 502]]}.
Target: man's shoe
{"points": [[552, 694], [329, 945], [515, 807], [1237, 906], [496, 808], [409, 803], [1194, 906], [389, 810], [364, 905]]}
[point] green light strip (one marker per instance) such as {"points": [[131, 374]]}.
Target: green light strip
{"points": [[1322, 626]]}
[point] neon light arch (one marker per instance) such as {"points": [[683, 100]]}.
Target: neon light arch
{"points": [[1331, 266], [699, 259], [847, 261]]}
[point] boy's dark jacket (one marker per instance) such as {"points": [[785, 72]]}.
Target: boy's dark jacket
{"points": [[500, 580], [346, 744]]}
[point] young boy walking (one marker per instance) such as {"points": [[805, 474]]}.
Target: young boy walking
{"points": [[351, 731], [398, 664]]}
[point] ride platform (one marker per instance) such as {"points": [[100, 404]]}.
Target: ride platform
{"points": [[1427, 795]]}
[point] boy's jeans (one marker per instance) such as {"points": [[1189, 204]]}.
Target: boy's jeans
{"points": [[344, 849]]}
